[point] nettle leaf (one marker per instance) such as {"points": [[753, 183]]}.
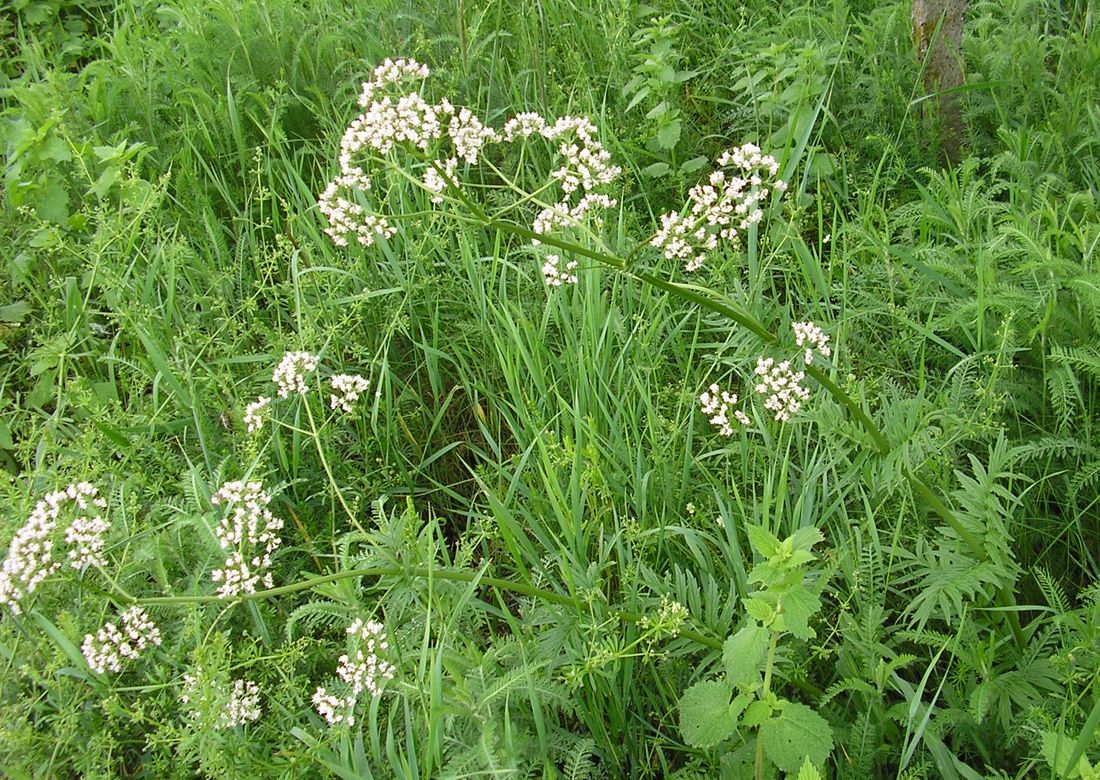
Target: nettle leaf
{"points": [[669, 134], [799, 605], [707, 716], [808, 771], [756, 713], [805, 538], [743, 654], [760, 610], [763, 541], [795, 734]]}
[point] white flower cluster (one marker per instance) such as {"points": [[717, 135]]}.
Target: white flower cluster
{"points": [[346, 389], [392, 117], [242, 706], [346, 218], [813, 339], [30, 559], [253, 420], [391, 72], [435, 182], [717, 403], [252, 532], [556, 274], [363, 672], [105, 651], [290, 374], [782, 385], [721, 208]]}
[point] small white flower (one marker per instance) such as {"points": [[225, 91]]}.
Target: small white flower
{"points": [[253, 420], [363, 669], [251, 532], [813, 338], [346, 389], [728, 203], [106, 650], [290, 374], [31, 554], [783, 387], [717, 403]]}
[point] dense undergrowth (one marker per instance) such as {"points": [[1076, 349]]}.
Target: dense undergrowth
{"points": [[576, 574]]}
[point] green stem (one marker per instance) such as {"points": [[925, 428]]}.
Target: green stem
{"points": [[324, 463], [421, 572], [763, 697]]}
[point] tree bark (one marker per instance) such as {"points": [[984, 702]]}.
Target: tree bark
{"points": [[938, 47]]}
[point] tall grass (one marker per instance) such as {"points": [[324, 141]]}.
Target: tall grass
{"points": [[529, 484]]}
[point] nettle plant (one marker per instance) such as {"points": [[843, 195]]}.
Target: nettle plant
{"points": [[789, 735]]}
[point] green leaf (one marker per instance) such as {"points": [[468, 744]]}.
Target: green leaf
{"points": [[694, 165], [797, 733], [756, 713], [53, 203], [808, 771], [639, 96], [799, 605], [55, 149], [14, 312], [706, 713], [806, 538], [760, 610], [657, 110], [1057, 748], [669, 134], [655, 170], [763, 541], [743, 654], [106, 180]]}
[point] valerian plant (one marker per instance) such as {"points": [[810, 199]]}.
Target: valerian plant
{"points": [[743, 708]]}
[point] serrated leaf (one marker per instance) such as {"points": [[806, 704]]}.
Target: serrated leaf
{"points": [[795, 734], [105, 181], [763, 541], [1057, 750], [55, 149], [705, 713], [799, 605], [14, 312], [639, 96], [806, 538], [669, 134], [52, 203], [693, 165], [743, 654], [808, 771], [760, 610], [657, 110], [756, 713]]}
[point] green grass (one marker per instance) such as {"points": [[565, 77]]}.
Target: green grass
{"points": [[529, 478]]}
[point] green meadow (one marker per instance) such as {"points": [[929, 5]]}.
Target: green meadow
{"points": [[574, 389]]}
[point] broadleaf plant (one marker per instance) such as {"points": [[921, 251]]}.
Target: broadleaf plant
{"points": [[790, 735]]}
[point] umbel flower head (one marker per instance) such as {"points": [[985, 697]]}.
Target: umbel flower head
{"points": [[251, 533], [363, 669], [728, 203], [106, 651], [444, 139], [34, 552], [235, 706]]}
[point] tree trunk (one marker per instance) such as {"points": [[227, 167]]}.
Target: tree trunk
{"points": [[938, 48]]}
